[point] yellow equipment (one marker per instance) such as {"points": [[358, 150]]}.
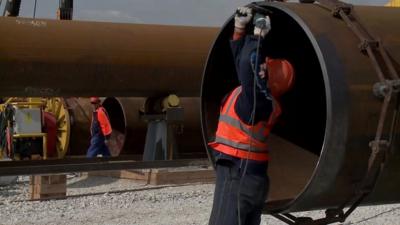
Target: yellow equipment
{"points": [[59, 109], [393, 3], [28, 122]]}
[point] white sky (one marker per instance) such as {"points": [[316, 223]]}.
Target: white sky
{"points": [[179, 12]]}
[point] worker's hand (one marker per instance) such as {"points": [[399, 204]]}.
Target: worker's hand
{"points": [[262, 26], [243, 17]]}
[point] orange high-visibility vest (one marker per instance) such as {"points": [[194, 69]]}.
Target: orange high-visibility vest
{"points": [[100, 119], [237, 139]]}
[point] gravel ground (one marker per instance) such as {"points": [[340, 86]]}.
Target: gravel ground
{"points": [[101, 200]]}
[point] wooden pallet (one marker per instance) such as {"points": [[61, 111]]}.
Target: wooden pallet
{"points": [[184, 175], [48, 187]]}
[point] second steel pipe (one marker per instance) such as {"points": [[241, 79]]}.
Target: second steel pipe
{"points": [[70, 58]]}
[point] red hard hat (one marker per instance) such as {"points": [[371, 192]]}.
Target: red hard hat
{"points": [[94, 100], [280, 76]]}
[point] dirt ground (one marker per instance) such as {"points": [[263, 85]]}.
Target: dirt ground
{"points": [[103, 200]]}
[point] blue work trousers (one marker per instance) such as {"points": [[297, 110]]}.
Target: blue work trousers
{"points": [[253, 193], [97, 146]]}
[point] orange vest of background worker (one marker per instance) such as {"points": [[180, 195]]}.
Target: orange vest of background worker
{"points": [[100, 130]]}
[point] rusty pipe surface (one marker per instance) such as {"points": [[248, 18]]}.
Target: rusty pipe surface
{"points": [[320, 151], [71, 58]]}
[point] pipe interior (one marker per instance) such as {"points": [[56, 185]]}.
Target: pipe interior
{"points": [[118, 123], [297, 138]]}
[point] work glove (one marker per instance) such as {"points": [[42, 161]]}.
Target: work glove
{"points": [[262, 26], [243, 17]]}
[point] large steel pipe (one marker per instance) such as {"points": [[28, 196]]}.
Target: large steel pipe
{"points": [[320, 150], [70, 58]]}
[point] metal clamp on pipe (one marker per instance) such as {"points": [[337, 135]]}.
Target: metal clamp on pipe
{"points": [[381, 89]]}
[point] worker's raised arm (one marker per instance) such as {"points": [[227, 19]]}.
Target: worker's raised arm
{"points": [[242, 18], [247, 58]]}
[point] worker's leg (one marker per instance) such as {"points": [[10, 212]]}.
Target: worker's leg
{"points": [[92, 151], [224, 211], [105, 151], [225, 206], [95, 147], [254, 191], [220, 184]]}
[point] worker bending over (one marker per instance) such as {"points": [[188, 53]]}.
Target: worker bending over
{"points": [[247, 116], [100, 130]]}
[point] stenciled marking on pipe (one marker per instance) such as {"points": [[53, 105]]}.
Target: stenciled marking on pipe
{"points": [[34, 23]]}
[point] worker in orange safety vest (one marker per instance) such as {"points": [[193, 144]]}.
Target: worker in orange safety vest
{"points": [[246, 118], [100, 130]]}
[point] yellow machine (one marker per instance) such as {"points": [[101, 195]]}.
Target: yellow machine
{"points": [[30, 125], [393, 3]]}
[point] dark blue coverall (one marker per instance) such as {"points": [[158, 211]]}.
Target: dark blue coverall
{"points": [[97, 141], [255, 184]]}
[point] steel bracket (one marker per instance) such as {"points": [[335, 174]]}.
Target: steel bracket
{"points": [[386, 87], [366, 43], [376, 146], [331, 216], [341, 7], [381, 89]]}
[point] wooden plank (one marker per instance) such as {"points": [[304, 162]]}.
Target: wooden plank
{"points": [[48, 187], [135, 174], [183, 175], [123, 174], [50, 179]]}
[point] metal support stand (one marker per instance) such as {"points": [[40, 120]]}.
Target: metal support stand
{"points": [[12, 8], [162, 129]]}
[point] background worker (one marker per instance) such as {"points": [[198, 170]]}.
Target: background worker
{"points": [[100, 130], [246, 119]]}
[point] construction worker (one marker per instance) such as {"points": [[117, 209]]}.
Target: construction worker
{"points": [[246, 119], [100, 130]]}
